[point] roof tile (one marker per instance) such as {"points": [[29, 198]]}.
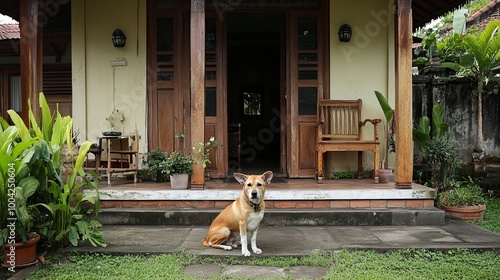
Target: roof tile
{"points": [[9, 31]]}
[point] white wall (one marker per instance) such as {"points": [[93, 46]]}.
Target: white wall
{"points": [[98, 87], [363, 65]]}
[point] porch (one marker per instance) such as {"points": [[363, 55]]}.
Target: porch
{"points": [[282, 193]]}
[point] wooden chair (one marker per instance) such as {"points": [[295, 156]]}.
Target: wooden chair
{"points": [[340, 129], [123, 155]]}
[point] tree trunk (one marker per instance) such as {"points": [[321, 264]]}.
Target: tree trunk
{"points": [[479, 136]]}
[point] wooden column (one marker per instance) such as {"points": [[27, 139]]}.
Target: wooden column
{"points": [[197, 44], [31, 56], [403, 110]]}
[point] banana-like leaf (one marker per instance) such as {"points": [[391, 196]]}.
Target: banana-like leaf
{"points": [[84, 149], [33, 123], [3, 124], [46, 117], [24, 132], [386, 108]]}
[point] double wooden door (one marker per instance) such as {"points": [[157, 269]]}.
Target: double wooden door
{"points": [[303, 83]]}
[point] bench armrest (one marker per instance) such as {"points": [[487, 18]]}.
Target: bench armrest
{"points": [[374, 122]]}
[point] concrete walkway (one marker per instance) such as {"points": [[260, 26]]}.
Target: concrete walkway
{"points": [[292, 241]]}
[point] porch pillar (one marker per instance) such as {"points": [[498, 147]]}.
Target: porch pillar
{"points": [[403, 100], [30, 56], [197, 52]]}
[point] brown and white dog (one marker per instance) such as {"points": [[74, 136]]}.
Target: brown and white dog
{"points": [[241, 217]]}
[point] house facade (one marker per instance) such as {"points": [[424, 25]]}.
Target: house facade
{"points": [[197, 67], [287, 53]]}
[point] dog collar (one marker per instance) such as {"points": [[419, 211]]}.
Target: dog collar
{"points": [[256, 207]]}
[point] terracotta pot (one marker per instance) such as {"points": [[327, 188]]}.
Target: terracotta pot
{"points": [[179, 181], [24, 254], [467, 213]]}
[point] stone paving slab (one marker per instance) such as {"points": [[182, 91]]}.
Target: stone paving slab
{"points": [[289, 241], [207, 271], [297, 240]]}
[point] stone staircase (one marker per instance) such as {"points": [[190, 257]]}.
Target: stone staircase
{"points": [[279, 217]]}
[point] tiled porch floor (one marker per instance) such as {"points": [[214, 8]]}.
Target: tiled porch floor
{"points": [[294, 193], [279, 184]]}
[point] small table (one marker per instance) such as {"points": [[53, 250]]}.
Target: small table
{"points": [[129, 149]]}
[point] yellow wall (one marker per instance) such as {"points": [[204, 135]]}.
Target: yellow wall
{"points": [[363, 65], [98, 87]]}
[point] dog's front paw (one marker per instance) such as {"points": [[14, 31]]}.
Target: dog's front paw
{"points": [[227, 248], [257, 251], [246, 253]]}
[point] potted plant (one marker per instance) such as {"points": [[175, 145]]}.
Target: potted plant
{"points": [[464, 200], [385, 172], [16, 219], [178, 166], [17, 185]]}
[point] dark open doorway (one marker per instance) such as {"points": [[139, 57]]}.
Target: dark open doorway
{"points": [[254, 90]]}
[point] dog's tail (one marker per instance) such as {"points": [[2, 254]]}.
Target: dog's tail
{"points": [[204, 242]]}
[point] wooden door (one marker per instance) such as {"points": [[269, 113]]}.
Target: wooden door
{"points": [[167, 103], [305, 87], [215, 95]]}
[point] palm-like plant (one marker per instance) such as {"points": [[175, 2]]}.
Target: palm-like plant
{"points": [[480, 61]]}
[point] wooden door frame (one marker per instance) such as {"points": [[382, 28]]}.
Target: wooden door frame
{"points": [[322, 84], [177, 84]]}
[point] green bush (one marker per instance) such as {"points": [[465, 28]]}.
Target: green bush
{"points": [[155, 163]]}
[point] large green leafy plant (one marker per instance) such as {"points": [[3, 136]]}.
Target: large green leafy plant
{"points": [[57, 207], [432, 140], [426, 130]]}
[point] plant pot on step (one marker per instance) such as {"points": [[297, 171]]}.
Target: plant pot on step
{"points": [[20, 254], [180, 181], [466, 213], [384, 175]]}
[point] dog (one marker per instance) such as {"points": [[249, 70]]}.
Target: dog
{"points": [[241, 217]]}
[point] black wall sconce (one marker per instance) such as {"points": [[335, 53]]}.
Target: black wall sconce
{"points": [[345, 33], [118, 38]]}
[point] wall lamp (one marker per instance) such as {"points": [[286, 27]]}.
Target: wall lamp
{"points": [[345, 33], [118, 38]]}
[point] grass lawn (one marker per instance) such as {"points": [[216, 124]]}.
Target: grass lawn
{"points": [[347, 264]]}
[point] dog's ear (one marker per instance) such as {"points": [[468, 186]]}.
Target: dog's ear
{"points": [[267, 176], [241, 178]]}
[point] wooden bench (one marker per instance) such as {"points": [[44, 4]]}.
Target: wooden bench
{"points": [[340, 129]]}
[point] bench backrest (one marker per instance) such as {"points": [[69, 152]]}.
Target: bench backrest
{"points": [[339, 119]]}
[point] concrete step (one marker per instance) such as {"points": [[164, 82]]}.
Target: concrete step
{"points": [[279, 217]]}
